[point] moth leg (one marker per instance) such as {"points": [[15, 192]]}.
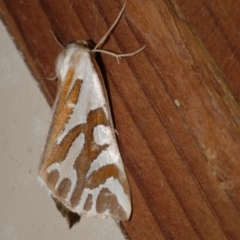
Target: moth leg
{"points": [[116, 131]]}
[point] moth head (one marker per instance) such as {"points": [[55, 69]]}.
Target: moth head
{"points": [[88, 44], [71, 57]]}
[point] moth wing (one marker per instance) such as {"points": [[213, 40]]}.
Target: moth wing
{"points": [[81, 164]]}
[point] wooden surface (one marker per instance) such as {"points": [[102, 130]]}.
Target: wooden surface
{"points": [[173, 106]]}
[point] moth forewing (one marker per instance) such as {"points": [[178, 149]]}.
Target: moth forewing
{"points": [[83, 168]]}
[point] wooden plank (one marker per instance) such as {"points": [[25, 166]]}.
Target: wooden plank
{"points": [[220, 35], [178, 121]]}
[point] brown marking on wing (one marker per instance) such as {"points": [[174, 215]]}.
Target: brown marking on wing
{"points": [[65, 110], [64, 188], [88, 203], [100, 176], [62, 114], [108, 201], [52, 178]]}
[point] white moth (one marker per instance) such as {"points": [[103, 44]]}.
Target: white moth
{"points": [[81, 165]]}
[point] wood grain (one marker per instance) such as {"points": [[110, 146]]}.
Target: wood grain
{"points": [[173, 106]]}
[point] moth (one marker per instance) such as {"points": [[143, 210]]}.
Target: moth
{"points": [[81, 165]]}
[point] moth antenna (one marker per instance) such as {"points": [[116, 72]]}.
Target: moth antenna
{"points": [[119, 55], [52, 78], [116, 55], [110, 29], [56, 39], [61, 45]]}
